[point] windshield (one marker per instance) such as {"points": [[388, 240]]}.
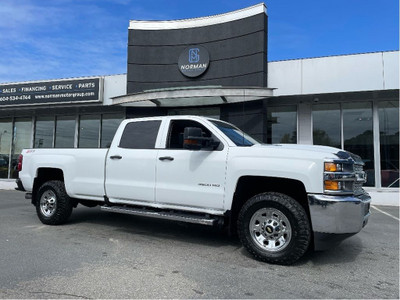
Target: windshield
{"points": [[235, 134]]}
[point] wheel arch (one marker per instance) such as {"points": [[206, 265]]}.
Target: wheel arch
{"points": [[43, 175], [249, 186]]}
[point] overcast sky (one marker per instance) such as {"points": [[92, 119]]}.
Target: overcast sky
{"points": [[49, 39]]}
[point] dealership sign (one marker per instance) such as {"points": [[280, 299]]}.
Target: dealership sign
{"points": [[50, 92], [194, 61]]}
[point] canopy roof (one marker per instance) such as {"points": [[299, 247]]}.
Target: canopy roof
{"points": [[193, 96]]}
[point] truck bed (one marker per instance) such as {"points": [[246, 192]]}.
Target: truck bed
{"points": [[83, 169]]}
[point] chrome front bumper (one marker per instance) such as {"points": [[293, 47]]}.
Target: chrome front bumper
{"points": [[333, 217]]}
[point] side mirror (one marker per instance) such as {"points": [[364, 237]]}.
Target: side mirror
{"points": [[193, 140]]}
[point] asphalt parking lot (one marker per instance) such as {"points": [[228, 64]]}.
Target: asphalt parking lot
{"points": [[105, 255]]}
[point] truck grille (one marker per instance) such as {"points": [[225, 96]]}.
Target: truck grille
{"points": [[358, 190], [360, 179], [358, 168]]}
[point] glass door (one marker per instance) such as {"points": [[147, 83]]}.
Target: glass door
{"points": [[358, 135], [389, 143], [5, 146], [21, 139]]}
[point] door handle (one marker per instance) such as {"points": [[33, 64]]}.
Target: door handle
{"points": [[166, 158], [116, 157]]}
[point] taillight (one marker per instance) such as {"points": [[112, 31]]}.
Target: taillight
{"points": [[19, 167]]}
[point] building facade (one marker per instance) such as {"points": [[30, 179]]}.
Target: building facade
{"points": [[217, 66]]}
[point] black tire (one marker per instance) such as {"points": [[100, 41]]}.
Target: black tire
{"points": [[53, 205], [270, 238]]}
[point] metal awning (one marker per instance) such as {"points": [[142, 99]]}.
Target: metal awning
{"points": [[193, 96]]}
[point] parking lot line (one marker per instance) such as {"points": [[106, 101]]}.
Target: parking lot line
{"points": [[385, 213]]}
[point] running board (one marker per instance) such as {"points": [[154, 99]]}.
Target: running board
{"points": [[175, 216]]}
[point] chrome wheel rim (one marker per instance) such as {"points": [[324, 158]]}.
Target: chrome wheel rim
{"points": [[48, 203], [270, 229]]}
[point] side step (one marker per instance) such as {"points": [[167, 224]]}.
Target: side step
{"points": [[175, 216]]}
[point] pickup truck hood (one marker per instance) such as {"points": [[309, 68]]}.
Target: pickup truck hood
{"points": [[297, 151]]}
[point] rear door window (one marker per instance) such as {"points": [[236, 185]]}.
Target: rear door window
{"points": [[140, 135]]}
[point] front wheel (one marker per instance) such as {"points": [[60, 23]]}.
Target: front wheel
{"points": [[53, 205], [274, 228]]}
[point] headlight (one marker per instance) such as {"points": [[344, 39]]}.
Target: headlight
{"points": [[339, 177], [333, 167]]}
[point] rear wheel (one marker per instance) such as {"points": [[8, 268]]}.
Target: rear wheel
{"points": [[274, 228], [53, 205]]}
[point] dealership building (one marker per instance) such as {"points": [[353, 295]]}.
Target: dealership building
{"points": [[217, 66]]}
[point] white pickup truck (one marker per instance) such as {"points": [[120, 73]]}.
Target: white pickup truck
{"points": [[281, 199]]}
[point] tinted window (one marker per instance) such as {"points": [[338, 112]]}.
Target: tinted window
{"points": [[140, 135], [21, 140], [389, 137], [358, 135], [282, 125], [5, 146], [44, 132], [109, 126], [89, 131], [326, 125], [235, 134], [65, 132], [210, 112]]}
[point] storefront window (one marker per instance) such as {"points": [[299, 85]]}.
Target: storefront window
{"points": [[210, 112], [389, 142], [326, 125], [109, 126], [65, 132], [5, 146], [44, 132], [358, 135], [282, 125], [22, 139], [89, 131]]}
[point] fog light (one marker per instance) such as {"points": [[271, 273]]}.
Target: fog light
{"points": [[332, 185]]}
